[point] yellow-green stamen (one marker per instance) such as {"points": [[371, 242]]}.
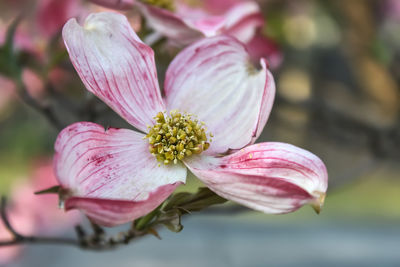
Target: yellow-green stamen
{"points": [[175, 137], [165, 4]]}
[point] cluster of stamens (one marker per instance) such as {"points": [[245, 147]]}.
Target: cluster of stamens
{"points": [[165, 4], [176, 136]]}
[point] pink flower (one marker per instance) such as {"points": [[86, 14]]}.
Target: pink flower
{"points": [[184, 24], [117, 175]]}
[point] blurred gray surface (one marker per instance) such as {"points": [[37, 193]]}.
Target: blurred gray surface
{"points": [[224, 241]]}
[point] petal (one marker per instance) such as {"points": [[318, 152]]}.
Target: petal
{"points": [[200, 20], [242, 20], [267, 101], [263, 47], [216, 7], [188, 24], [112, 164], [110, 213], [214, 80], [269, 177], [115, 65], [115, 4], [170, 25]]}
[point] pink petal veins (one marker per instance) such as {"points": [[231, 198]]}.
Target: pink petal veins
{"points": [[269, 177], [170, 25], [116, 66], [113, 164], [187, 24], [214, 80]]}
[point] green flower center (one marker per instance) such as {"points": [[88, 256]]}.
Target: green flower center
{"points": [[176, 136]]}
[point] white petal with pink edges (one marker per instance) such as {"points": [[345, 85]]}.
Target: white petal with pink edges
{"points": [[112, 164], [115, 65], [170, 25], [267, 102], [242, 21], [210, 24], [269, 177], [214, 80], [187, 24]]}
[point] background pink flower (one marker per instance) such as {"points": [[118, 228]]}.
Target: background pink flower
{"points": [[186, 24]]}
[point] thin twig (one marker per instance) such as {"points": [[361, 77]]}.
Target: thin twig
{"points": [[4, 217], [18, 238], [97, 241], [39, 240], [45, 110]]}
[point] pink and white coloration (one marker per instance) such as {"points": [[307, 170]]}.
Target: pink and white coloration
{"points": [[110, 173], [188, 23]]}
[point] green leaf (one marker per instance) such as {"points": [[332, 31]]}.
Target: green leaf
{"points": [[51, 190]]}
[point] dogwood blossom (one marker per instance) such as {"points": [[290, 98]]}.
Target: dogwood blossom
{"points": [[215, 105]]}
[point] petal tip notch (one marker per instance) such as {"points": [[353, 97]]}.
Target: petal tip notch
{"points": [[319, 201]]}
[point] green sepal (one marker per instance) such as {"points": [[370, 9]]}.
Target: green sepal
{"points": [[171, 219], [187, 202], [144, 221], [51, 190]]}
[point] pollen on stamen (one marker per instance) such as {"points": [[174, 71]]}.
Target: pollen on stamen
{"points": [[176, 136]]}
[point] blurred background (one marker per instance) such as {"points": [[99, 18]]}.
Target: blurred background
{"points": [[338, 96]]}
